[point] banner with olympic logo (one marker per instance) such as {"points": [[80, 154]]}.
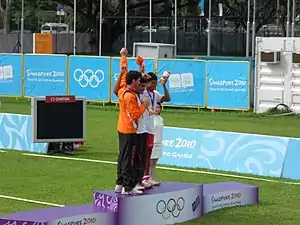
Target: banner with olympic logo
{"points": [[89, 77], [228, 85], [187, 82], [170, 208], [11, 74], [45, 75], [115, 65]]}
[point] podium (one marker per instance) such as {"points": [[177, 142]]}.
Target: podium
{"points": [[75, 215], [168, 203]]}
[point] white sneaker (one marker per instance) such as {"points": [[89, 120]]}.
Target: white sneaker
{"points": [[133, 191], [146, 184], [154, 183], [139, 187], [118, 188]]}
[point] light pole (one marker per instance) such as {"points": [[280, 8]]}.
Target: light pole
{"points": [[74, 35], [248, 30], [125, 25], [277, 14], [209, 28], [150, 21], [100, 27], [293, 18], [253, 28], [288, 19], [22, 27], [175, 25]]}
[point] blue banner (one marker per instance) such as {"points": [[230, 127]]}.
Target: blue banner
{"points": [[89, 77], [291, 163], [45, 75], [187, 82], [228, 85], [115, 65], [236, 152], [16, 134], [11, 74]]}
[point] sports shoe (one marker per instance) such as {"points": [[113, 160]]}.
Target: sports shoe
{"points": [[118, 188], [133, 191], [139, 187], [146, 177], [146, 184], [154, 183]]}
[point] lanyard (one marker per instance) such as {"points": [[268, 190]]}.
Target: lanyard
{"points": [[139, 98], [152, 98], [130, 89]]}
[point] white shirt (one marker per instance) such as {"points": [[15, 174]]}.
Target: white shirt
{"points": [[158, 129], [142, 121], [154, 97]]}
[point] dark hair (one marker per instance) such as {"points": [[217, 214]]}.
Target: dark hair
{"points": [[143, 80], [132, 75], [152, 77]]}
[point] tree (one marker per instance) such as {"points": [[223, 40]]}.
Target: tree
{"points": [[36, 12], [4, 9], [113, 13], [266, 12]]}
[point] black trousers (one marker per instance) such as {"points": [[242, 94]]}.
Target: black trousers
{"points": [[141, 155], [126, 170]]}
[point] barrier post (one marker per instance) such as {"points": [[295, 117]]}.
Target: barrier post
{"points": [[110, 80], [68, 76], [23, 76]]}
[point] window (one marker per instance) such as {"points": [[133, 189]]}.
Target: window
{"points": [[45, 28], [61, 29]]}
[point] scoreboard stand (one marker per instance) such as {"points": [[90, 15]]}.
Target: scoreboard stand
{"points": [[59, 121]]}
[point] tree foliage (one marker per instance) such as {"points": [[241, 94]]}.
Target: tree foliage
{"points": [[4, 10], [266, 12], [114, 11]]}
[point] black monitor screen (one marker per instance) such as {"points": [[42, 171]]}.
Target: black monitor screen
{"points": [[59, 120]]}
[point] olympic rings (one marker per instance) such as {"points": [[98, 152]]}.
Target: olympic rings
{"points": [[88, 77], [170, 208]]}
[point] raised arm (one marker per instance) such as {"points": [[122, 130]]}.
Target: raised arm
{"points": [[121, 81], [166, 97], [163, 80], [140, 62]]}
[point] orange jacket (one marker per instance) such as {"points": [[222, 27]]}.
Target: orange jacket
{"points": [[123, 84], [123, 63], [130, 111]]}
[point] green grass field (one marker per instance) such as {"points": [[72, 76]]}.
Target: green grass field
{"points": [[68, 182]]}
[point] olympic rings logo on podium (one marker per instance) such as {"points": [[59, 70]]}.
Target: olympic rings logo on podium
{"points": [[170, 208], [88, 77]]}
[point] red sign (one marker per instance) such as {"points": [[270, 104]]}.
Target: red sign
{"points": [[60, 99]]}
